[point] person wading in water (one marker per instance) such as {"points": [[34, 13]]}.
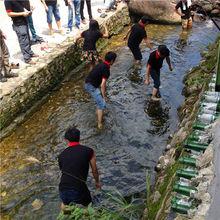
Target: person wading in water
{"points": [[74, 164], [95, 84]]}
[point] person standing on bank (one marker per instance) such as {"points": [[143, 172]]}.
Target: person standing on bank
{"points": [[88, 3], [16, 11], [4, 60], [95, 84], [185, 13], [137, 34], [52, 8], [74, 164], [154, 65], [76, 5], [91, 36]]}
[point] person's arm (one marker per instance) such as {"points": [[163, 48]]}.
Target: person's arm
{"points": [[126, 36], [177, 10], [169, 63], [148, 42], [95, 172], [106, 34], [103, 88], [18, 14], [45, 6], [147, 80]]}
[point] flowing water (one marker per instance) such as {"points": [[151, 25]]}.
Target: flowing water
{"points": [[135, 134]]}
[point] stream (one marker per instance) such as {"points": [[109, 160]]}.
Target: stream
{"points": [[135, 133]]}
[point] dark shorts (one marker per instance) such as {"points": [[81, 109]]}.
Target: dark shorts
{"points": [[136, 51], [155, 75], [72, 196]]}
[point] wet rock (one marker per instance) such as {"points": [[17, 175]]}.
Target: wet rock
{"points": [[205, 159], [215, 12], [168, 147], [208, 7], [160, 11], [37, 204], [156, 196]]}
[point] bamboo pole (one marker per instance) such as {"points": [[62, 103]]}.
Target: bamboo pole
{"points": [[217, 85]]}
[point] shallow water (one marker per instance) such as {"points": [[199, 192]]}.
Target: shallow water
{"points": [[135, 134]]}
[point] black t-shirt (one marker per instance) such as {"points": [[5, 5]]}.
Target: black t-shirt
{"points": [[51, 2], [90, 39], [186, 11], [137, 34], [26, 4], [16, 6], [74, 164], [99, 72], [155, 61]]}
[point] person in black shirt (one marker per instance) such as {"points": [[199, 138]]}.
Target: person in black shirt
{"points": [[97, 78], [154, 65], [91, 36], [15, 10], [137, 34], [89, 9], [185, 13], [74, 164]]}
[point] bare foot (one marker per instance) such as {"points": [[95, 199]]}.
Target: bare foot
{"points": [[100, 126]]}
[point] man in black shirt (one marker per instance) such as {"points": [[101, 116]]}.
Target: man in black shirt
{"points": [[97, 78], [154, 65], [137, 34], [185, 13], [15, 10], [74, 164]]}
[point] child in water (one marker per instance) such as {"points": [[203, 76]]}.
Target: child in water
{"points": [[91, 36], [154, 65]]}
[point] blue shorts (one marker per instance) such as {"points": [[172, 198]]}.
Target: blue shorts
{"points": [[53, 10], [73, 196], [96, 95], [155, 75]]}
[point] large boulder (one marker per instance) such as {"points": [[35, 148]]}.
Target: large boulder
{"points": [[161, 11]]}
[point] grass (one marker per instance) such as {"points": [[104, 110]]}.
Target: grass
{"points": [[120, 209]]}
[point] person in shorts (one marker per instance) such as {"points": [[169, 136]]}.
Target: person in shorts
{"points": [[74, 163], [154, 65], [137, 34], [185, 13], [95, 84], [91, 36], [51, 8]]}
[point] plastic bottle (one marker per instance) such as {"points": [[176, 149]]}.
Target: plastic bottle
{"points": [[200, 126], [211, 98], [207, 118], [211, 106]]}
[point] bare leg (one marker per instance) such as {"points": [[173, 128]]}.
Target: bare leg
{"points": [[154, 95], [99, 116], [62, 206], [50, 28], [59, 27]]}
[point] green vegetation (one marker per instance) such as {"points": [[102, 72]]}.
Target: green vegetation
{"points": [[120, 209]]}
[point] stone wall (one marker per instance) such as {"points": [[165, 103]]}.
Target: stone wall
{"points": [[49, 72]]}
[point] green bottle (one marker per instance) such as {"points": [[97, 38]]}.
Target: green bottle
{"points": [[200, 126], [181, 201], [180, 209], [194, 145], [188, 161], [186, 173], [185, 190], [200, 137]]}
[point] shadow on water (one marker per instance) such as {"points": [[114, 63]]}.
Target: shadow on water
{"points": [[135, 134]]}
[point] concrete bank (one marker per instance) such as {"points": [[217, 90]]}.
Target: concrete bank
{"points": [[37, 81]]}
